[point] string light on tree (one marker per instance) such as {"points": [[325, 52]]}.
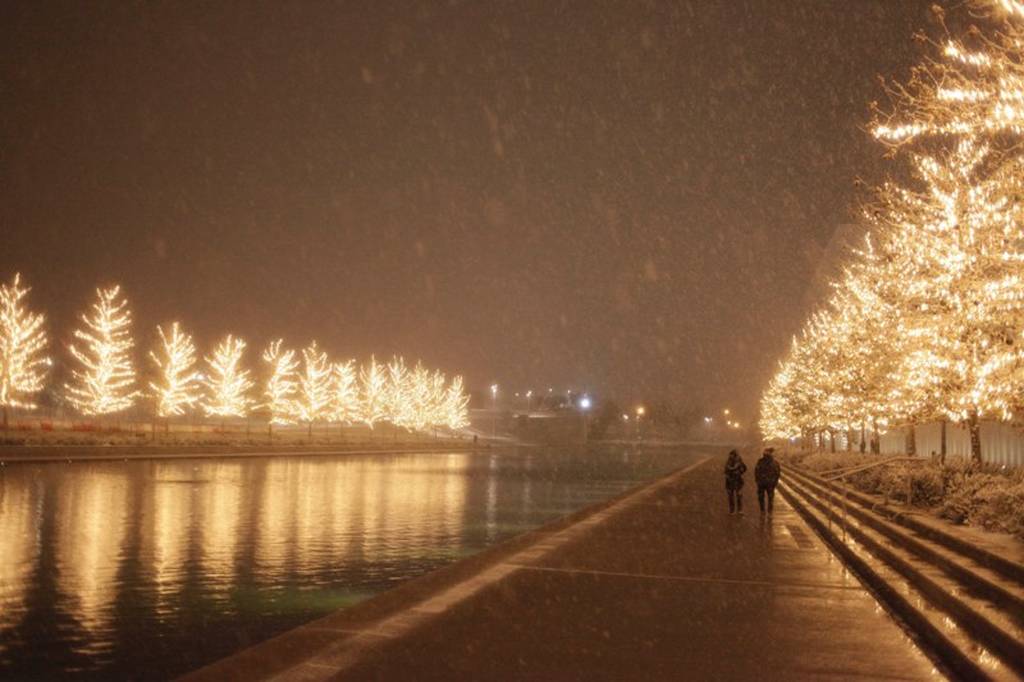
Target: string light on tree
{"points": [[178, 387], [23, 365], [456, 405], [315, 396], [372, 392], [103, 383], [227, 383], [345, 404], [398, 403], [282, 384]]}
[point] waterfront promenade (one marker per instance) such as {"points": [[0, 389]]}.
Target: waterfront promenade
{"points": [[659, 584]]}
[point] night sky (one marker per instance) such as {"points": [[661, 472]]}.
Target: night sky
{"points": [[628, 196]]}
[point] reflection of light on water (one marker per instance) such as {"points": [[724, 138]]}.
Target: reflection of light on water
{"points": [[332, 513], [220, 508], [277, 513], [490, 512], [91, 508], [180, 548], [19, 546], [171, 519]]}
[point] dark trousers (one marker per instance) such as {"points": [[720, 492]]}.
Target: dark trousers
{"points": [[765, 491], [735, 499]]}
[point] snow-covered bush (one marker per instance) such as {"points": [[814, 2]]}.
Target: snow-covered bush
{"points": [[959, 490]]}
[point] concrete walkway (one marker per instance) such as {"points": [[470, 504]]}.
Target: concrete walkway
{"points": [[662, 585]]}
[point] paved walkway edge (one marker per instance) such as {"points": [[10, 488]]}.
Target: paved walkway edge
{"points": [[345, 635]]}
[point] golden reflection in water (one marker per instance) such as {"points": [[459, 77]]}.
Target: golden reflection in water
{"points": [[20, 519], [276, 517], [167, 539], [220, 501], [317, 511], [299, 518], [91, 513]]}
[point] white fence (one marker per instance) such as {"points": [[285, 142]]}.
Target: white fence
{"points": [[1001, 443]]}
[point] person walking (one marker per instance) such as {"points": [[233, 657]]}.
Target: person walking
{"points": [[734, 470], [766, 474]]}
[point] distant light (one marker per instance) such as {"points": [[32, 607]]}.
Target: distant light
{"points": [[707, 420], [640, 411], [494, 389], [585, 403], [529, 394], [725, 411], [625, 417]]}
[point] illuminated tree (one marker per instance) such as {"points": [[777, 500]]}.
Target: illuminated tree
{"points": [[345, 400], [372, 392], [227, 383], [315, 396], [282, 385], [398, 395], [435, 407], [973, 88], [104, 382], [456, 405], [418, 394], [22, 343], [178, 386]]}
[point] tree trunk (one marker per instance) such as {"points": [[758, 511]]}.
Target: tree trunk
{"points": [[863, 436], [876, 439], [849, 439], [6, 422], [942, 441], [975, 429], [310, 432], [832, 441], [911, 441]]}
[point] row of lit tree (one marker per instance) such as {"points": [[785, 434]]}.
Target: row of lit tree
{"points": [[299, 387], [926, 321]]}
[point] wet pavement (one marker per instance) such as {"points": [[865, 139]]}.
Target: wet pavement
{"points": [[664, 584]]}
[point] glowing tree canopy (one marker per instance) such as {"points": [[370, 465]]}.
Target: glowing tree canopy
{"points": [[345, 405], [314, 398], [418, 396], [973, 87], [282, 385], [103, 384], [178, 386], [456, 405], [227, 384], [435, 407], [398, 407], [22, 343], [373, 383]]}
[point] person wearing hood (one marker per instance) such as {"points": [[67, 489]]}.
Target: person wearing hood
{"points": [[734, 470], [767, 473]]}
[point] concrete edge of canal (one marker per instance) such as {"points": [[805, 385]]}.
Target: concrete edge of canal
{"points": [[413, 603], [42, 454]]}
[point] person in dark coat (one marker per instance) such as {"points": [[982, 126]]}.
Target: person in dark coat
{"points": [[734, 470], [767, 473]]}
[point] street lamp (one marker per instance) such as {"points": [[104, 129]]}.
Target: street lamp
{"points": [[529, 394], [584, 408], [494, 410], [640, 412]]}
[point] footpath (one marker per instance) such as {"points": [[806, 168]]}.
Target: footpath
{"points": [[662, 584]]}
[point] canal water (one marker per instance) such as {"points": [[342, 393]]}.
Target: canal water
{"points": [[148, 569]]}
